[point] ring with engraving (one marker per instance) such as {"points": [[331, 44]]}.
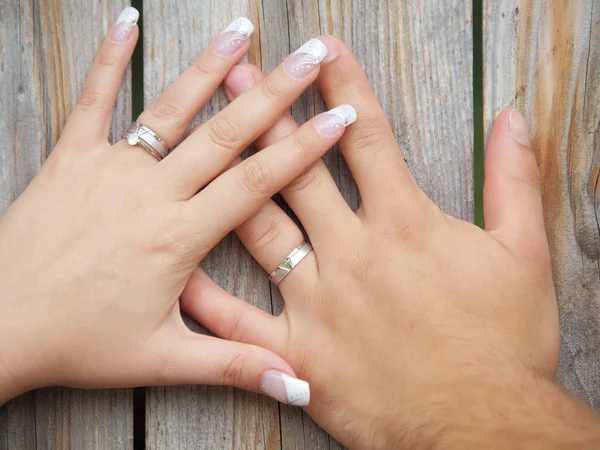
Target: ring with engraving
{"points": [[139, 134], [290, 261]]}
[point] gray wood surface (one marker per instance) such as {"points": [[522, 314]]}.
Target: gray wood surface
{"points": [[418, 55], [541, 56], [46, 48], [544, 58]]}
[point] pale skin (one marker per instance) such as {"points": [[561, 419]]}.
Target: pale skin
{"points": [[97, 250], [414, 329]]}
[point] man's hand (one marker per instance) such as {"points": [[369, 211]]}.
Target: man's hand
{"points": [[415, 329]]}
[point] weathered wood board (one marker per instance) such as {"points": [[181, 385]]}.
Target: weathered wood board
{"points": [[46, 49], [418, 55], [544, 58]]}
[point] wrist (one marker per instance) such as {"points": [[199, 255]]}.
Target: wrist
{"points": [[20, 369], [524, 411]]}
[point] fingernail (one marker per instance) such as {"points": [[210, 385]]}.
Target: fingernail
{"points": [[518, 128], [122, 29], [304, 60], [233, 37], [333, 121], [239, 80], [333, 50], [284, 388]]}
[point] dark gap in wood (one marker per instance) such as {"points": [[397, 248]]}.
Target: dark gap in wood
{"points": [[280, 430], [137, 66], [137, 106], [478, 132], [139, 418]]}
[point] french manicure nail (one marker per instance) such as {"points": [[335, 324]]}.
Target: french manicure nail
{"points": [[233, 37], [284, 388], [122, 29], [518, 128], [304, 60], [333, 121]]}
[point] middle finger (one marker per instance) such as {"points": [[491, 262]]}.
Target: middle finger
{"points": [[175, 108], [208, 151]]}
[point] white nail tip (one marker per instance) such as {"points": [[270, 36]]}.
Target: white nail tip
{"points": [[346, 114], [315, 49], [285, 389], [128, 16], [298, 391], [242, 26]]}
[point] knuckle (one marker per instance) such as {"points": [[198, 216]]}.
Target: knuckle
{"points": [[529, 176], [360, 267], [271, 90], [344, 77], [205, 70], [236, 332], [107, 60], [309, 178], [92, 101], [233, 374], [267, 231], [409, 231], [257, 177], [366, 135], [223, 133], [167, 110], [302, 144], [412, 225]]}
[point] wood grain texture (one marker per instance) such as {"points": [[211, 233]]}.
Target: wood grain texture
{"points": [[418, 56], [46, 49], [175, 33], [544, 58]]}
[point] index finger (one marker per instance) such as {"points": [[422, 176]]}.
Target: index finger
{"points": [[91, 117], [369, 147]]}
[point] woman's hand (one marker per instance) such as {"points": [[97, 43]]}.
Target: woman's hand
{"points": [[415, 329], [96, 251]]}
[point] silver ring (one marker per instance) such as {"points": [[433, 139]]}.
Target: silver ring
{"points": [[290, 261], [139, 134]]}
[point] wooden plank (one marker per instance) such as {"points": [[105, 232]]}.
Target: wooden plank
{"points": [[20, 114], [418, 57], [46, 48], [544, 58], [199, 416]]}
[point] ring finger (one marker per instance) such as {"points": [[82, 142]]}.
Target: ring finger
{"points": [[270, 235], [175, 108]]}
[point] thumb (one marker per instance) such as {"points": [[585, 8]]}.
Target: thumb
{"points": [[512, 189], [198, 359]]}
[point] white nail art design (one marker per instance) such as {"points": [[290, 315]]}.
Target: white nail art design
{"points": [[331, 122], [242, 26], [300, 63], [284, 388], [345, 113], [314, 50], [233, 37], [125, 23]]}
